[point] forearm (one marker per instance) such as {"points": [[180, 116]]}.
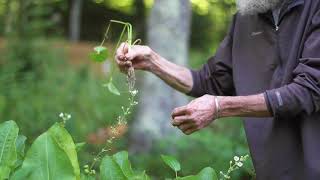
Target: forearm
{"points": [[176, 76], [244, 106]]}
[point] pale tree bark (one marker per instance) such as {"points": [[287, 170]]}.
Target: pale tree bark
{"points": [[75, 20], [168, 35]]}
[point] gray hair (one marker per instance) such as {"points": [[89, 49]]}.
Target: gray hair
{"points": [[250, 7]]}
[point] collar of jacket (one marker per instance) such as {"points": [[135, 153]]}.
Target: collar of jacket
{"points": [[287, 7]]}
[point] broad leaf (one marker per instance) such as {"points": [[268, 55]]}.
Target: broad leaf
{"points": [[100, 54], [171, 162], [123, 161], [110, 170], [8, 155], [208, 174], [20, 146], [51, 156], [64, 140], [112, 88]]}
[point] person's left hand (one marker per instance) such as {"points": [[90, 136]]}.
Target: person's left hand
{"points": [[198, 114]]}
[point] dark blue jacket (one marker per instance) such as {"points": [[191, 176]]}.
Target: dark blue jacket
{"points": [[283, 62]]}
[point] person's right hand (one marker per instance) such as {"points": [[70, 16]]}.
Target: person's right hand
{"points": [[140, 57]]}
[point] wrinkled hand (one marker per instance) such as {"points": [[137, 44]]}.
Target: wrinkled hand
{"points": [[198, 114], [137, 56]]}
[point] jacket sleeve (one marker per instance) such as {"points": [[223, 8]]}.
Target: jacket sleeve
{"points": [[215, 77], [302, 96]]}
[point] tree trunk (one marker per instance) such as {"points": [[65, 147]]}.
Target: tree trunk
{"points": [[75, 20], [168, 35]]}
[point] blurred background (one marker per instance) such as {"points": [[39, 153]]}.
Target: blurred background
{"points": [[45, 70]]}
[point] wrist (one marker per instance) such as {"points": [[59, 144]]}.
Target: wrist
{"points": [[153, 59], [229, 106]]}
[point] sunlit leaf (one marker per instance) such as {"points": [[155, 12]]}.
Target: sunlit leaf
{"points": [[51, 156], [112, 88], [110, 170], [8, 155], [123, 161], [171, 162], [99, 54], [208, 174], [205, 174]]}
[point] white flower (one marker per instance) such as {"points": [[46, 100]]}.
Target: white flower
{"points": [[239, 164], [236, 158], [69, 116], [61, 115], [134, 92]]}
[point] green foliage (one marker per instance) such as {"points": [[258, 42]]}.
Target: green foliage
{"points": [[20, 146], [118, 167], [100, 54], [206, 174], [171, 162], [8, 154], [112, 88], [51, 156]]}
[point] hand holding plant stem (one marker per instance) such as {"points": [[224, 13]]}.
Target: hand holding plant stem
{"points": [[100, 54]]}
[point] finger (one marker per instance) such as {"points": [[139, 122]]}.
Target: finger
{"points": [[123, 64], [178, 120], [190, 131], [121, 51], [186, 126], [131, 55], [179, 111]]}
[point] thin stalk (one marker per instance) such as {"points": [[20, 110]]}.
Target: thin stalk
{"points": [[114, 53]]}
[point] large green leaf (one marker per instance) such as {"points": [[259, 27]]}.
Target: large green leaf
{"points": [[206, 174], [64, 140], [123, 161], [171, 162], [20, 146], [110, 170], [8, 155], [51, 157]]}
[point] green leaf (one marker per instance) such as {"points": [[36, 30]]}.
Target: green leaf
{"points": [[20, 146], [51, 156], [8, 155], [65, 141], [208, 174], [112, 88], [171, 162], [79, 146], [110, 170], [87, 177], [100, 54], [123, 161], [205, 174], [99, 49]]}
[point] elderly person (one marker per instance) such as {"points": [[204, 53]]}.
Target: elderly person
{"points": [[267, 69]]}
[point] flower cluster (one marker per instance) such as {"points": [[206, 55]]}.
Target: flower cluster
{"points": [[234, 165], [89, 171], [65, 117]]}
